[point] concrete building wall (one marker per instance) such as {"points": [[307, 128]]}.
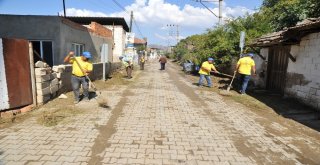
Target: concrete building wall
{"points": [[303, 76], [119, 41], [4, 96], [92, 42], [60, 31], [32, 28]]}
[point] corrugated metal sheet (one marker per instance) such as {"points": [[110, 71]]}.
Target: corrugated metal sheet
{"points": [[4, 98], [17, 67]]}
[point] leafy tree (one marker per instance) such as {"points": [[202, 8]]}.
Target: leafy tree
{"points": [[222, 42], [286, 13]]}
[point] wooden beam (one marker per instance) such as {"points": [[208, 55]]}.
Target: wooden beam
{"points": [[292, 58], [257, 52], [33, 77]]}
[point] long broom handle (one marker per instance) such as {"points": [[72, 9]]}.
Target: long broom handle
{"points": [[92, 84], [234, 75], [224, 74]]}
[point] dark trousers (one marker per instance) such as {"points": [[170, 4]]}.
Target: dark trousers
{"points": [[244, 82], [75, 82], [129, 71], [163, 66], [141, 65]]}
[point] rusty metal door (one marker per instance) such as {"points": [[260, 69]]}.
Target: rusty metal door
{"points": [[17, 70], [277, 68]]}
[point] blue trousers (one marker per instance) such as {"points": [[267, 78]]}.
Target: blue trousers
{"points": [[76, 81], [207, 77], [163, 66], [244, 82]]}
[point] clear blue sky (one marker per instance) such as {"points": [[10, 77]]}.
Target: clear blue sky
{"points": [[52, 7]]}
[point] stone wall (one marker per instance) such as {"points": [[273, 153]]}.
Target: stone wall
{"points": [[55, 81], [303, 76]]}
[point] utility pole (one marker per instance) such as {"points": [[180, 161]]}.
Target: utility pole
{"points": [[220, 12], [64, 8], [131, 19], [177, 34], [220, 8], [172, 32]]}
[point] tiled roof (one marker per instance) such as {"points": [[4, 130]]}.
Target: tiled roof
{"points": [[289, 35]]}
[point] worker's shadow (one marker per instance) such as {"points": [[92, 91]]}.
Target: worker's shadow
{"points": [[224, 84], [195, 84]]}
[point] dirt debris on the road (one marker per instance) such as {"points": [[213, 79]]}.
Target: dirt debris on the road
{"points": [[160, 117]]}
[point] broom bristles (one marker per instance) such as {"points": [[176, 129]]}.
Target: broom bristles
{"points": [[225, 93], [102, 102]]}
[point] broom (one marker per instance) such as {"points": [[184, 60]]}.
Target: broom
{"points": [[102, 101], [227, 92]]}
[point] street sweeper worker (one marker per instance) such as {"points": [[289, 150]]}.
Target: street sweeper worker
{"points": [[79, 74], [205, 71], [128, 64], [244, 67]]}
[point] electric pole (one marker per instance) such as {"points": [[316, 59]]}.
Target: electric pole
{"points": [[64, 8], [220, 12], [220, 8], [177, 34], [172, 32], [131, 19]]}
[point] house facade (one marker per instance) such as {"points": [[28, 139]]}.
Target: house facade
{"points": [[289, 62], [53, 37], [117, 25]]}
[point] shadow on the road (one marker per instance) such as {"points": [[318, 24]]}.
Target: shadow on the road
{"points": [[289, 108]]}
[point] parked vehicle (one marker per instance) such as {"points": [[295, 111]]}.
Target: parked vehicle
{"points": [[188, 66]]}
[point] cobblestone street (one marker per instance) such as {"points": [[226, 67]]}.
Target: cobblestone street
{"points": [[162, 118]]}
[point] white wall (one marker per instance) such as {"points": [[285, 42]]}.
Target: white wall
{"points": [[261, 68], [303, 76], [4, 98], [119, 41]]}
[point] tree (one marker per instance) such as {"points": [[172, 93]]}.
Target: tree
{"points": [[287, 13], [222, 42]]}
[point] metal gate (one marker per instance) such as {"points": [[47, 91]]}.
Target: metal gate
{"points": [[17, 72], [277, 68]]}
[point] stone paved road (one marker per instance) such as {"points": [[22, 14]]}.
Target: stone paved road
{"points": [[161, 118]]}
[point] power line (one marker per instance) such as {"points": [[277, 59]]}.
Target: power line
{"points": [[220, 8], [134, 21], [106, 4], [119, 5], [138, 28]]}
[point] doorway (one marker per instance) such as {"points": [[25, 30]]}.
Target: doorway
{"points": [[277, 68]]}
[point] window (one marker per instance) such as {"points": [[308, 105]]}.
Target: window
{"points": [[77, 48], [44, 49]]}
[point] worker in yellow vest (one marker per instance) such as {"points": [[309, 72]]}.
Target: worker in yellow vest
{"points": [[79, 74], [142, 61], [205, 71], [244, 67]]}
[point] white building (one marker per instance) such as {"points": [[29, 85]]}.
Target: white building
{"points": [[289, 62], [117, 25]]}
